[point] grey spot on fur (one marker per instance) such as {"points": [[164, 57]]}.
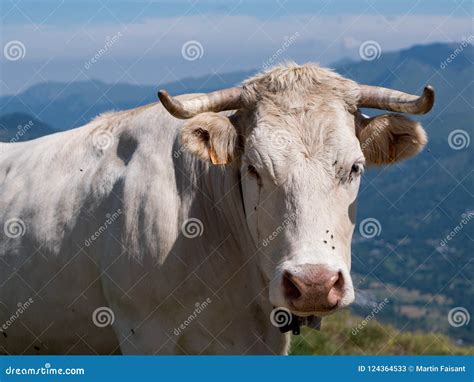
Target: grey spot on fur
{"points": [[126, 147]]}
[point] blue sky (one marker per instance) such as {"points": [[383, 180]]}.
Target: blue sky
{"points": [[143, 42], [75, 12]]}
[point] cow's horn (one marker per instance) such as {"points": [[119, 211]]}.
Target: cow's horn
{"points": [[387, 99], [227, 99]]}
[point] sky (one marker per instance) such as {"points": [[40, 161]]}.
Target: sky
{"points": [[154, 42]]}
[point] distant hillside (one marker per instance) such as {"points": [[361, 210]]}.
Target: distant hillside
{"points": [[417, 203], [338, 336], [410, 69], [18, 127], [67, 105]]}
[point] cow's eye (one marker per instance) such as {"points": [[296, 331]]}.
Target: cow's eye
{"points": [[252, 171], [357, 169]]}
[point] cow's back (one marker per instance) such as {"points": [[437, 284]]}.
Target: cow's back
{"points": [[62, 210]]}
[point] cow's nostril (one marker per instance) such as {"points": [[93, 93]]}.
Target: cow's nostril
{"points": [[290, 289], [337, 289], [340, 281]]}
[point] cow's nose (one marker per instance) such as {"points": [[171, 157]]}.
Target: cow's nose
{"points": [[315, 288]]}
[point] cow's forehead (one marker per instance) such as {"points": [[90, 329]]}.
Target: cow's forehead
{"points": [[320, 122], [280, 143], [292, 86], [303, 109]]}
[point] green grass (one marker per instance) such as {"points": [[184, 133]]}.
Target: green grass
{"points": [[337, 337]]}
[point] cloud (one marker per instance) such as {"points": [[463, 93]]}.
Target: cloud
{"points": [[150, 50]]}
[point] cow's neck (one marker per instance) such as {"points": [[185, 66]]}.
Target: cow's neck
{"points": [[229, 258]]}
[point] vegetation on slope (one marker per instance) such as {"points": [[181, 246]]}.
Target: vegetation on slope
{"points": [[339, 336]]}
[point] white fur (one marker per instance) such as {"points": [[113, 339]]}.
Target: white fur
{"points": [[142, 267]]}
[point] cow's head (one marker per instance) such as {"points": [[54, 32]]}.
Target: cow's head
{"points": [[301, 144]]}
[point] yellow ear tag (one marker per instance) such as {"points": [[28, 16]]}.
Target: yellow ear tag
{"points": [[214, 157], [391, 155]]}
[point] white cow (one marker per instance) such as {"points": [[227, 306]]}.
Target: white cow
{"points": [[139, 233]]}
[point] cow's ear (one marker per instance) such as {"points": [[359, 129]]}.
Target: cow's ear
{"points": [[389, 138], [210, 136]]}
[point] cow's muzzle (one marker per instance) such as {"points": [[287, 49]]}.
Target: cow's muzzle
{"points": [[314, 288]]}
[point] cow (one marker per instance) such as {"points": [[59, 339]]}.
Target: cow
{"points": [[194, 224]]}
